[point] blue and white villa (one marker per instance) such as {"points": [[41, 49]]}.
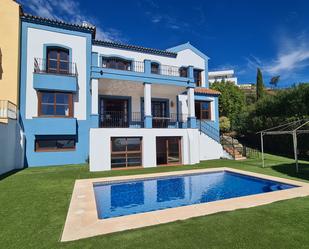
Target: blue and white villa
{"points": [[113, 104]]}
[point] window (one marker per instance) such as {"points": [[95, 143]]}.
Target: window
{"points": [[57, 60], [155, 67], [116, 63], [55, 104], [183, 72], [126, 152], [197, 77], [54, 143], [203, 110]]}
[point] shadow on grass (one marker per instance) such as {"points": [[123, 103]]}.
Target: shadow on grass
{"points": [[290, 170], [7, 174]]}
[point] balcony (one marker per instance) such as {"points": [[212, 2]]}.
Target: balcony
{"points": [[58, 76], [54, 126], [8, 110], [143, 71], [121, 119]]}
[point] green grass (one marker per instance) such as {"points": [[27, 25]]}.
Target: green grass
{"points": [[34, 203]]}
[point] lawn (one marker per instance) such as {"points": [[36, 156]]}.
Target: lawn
{"points": [[34, 203]]}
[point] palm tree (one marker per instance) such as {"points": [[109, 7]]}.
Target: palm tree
{"points": [[274, 80]]}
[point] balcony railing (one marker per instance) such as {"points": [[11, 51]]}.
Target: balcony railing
{"points": [[169, 70], [121, 119], [55, 67], [139, 66], [134, 66], [8, 110]]}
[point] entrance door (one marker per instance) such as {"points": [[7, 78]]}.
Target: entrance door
{"points": [[114, 113], [159, 114], [168, 150]]}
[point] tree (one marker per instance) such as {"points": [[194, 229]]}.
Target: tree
{"points": [[259, 84], [274, 80], [231, 99]]}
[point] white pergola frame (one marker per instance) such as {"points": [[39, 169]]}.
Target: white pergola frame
{"points": [[292, 128]]}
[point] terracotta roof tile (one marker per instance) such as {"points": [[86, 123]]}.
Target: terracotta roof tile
{"points": [[134, 48], [58, 23], [202, 90]]}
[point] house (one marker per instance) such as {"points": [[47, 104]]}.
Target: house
{"points": [[115, 104], [226, 75]]}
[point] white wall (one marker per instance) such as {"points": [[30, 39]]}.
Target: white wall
{"points": [[184, 58], [100, 154], [11, 146], [35, 41], [208, 148], [183, 105]]}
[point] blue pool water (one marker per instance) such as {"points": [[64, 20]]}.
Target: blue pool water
{"points": [[139, 196]]}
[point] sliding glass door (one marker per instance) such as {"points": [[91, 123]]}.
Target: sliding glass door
{"points": [[168, 150]]}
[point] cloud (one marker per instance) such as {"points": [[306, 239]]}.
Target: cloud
{"points": [[292, 57], [69, 11]]}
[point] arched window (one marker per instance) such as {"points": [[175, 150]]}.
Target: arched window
{"points": [[57, 60], [155, 67], [116, 63]]}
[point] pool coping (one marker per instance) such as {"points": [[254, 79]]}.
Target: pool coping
{"points": [[82, 219]]}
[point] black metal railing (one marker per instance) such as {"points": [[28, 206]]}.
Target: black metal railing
{"points": [[120, 119], [134, 66], [170, 70], [209, 130], [123, 119], [55, 67], [166, 121], [139, 66]]}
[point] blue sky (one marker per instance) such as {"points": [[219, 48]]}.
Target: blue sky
{"points": [[239, 35]]}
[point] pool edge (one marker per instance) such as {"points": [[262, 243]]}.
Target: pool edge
{"points": [[82, 220]]}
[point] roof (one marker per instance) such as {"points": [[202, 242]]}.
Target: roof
{"points": [[221, 73], [203, 90], [188, 45], [57, 23], [135, 48]]}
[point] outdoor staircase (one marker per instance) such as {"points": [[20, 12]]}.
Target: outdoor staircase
{"points": [[208, 130], [233, 147]]}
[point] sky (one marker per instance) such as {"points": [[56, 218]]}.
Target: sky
{"points": [[241, 35]]}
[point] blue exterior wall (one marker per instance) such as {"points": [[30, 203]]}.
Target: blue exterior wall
{"points": [[72, 126], [56, 126]]}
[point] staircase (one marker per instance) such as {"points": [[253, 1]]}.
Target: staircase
{"points": [[232, 147], [208, 130]]}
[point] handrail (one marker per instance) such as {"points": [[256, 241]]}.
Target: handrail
{"points": [[209, 130]]}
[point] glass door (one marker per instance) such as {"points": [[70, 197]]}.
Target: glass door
{"points": [[114, 113], [168, 150], [159, 114]]}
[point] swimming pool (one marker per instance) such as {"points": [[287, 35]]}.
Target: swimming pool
{"points": [[116, 199]]}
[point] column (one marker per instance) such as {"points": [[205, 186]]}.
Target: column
{"points": [[94, 103], [147, 66], [191, 108], [147, 105]]}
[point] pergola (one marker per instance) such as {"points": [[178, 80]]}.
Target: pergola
{"points": [[293, 128]]}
